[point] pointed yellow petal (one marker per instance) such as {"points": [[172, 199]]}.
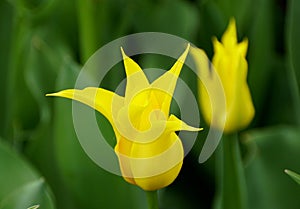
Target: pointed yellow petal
{"points": [[136, 79], [229, 38], [175, 124], [243, 47], [104, 101], [167, 82], [211, 91], [218, 47]]}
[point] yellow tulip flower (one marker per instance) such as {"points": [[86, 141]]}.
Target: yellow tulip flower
{"points": [[229, 62], [149, 151]]}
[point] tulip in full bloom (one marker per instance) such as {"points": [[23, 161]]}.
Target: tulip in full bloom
{"points": [[230, 65], [149, 151]]}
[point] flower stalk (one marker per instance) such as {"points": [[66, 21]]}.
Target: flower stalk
{"points": [[152, 199], [89, 41], [232, 184]]}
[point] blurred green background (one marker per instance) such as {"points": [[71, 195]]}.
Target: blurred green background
{"points": [[44, 43]]}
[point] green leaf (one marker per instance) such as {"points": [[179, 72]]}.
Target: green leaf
{"points": [[293, 33], [234, 8], [18, 97], [28, 194], [21, 186], [40, 73], [152, 16], [97, 23], [270, 151], [34, 207], [6, 14], [293, 51], [260, 53], [293, 175]]}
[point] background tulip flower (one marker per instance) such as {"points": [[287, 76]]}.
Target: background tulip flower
{"points": [[229, 62], [149, 151]]}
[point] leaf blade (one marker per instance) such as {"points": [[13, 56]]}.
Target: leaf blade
{"points": [[293, 175]]}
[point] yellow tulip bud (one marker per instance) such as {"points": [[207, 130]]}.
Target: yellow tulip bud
{"points": [[229, 62]]}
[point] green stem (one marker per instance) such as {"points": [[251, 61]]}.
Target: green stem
{"points": [[89, 40], [294, 86], [232, 183], [152, 199], [20, 27], [291, 37]]}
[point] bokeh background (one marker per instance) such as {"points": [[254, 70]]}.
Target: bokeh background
{"points": [[44, 44]]}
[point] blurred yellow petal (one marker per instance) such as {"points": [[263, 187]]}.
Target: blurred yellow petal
{"points": [[211, 91], [243, 47], [230, 64], [229, 38]]}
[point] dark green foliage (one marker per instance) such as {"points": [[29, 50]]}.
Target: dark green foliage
{"points": [[44, 44]]}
